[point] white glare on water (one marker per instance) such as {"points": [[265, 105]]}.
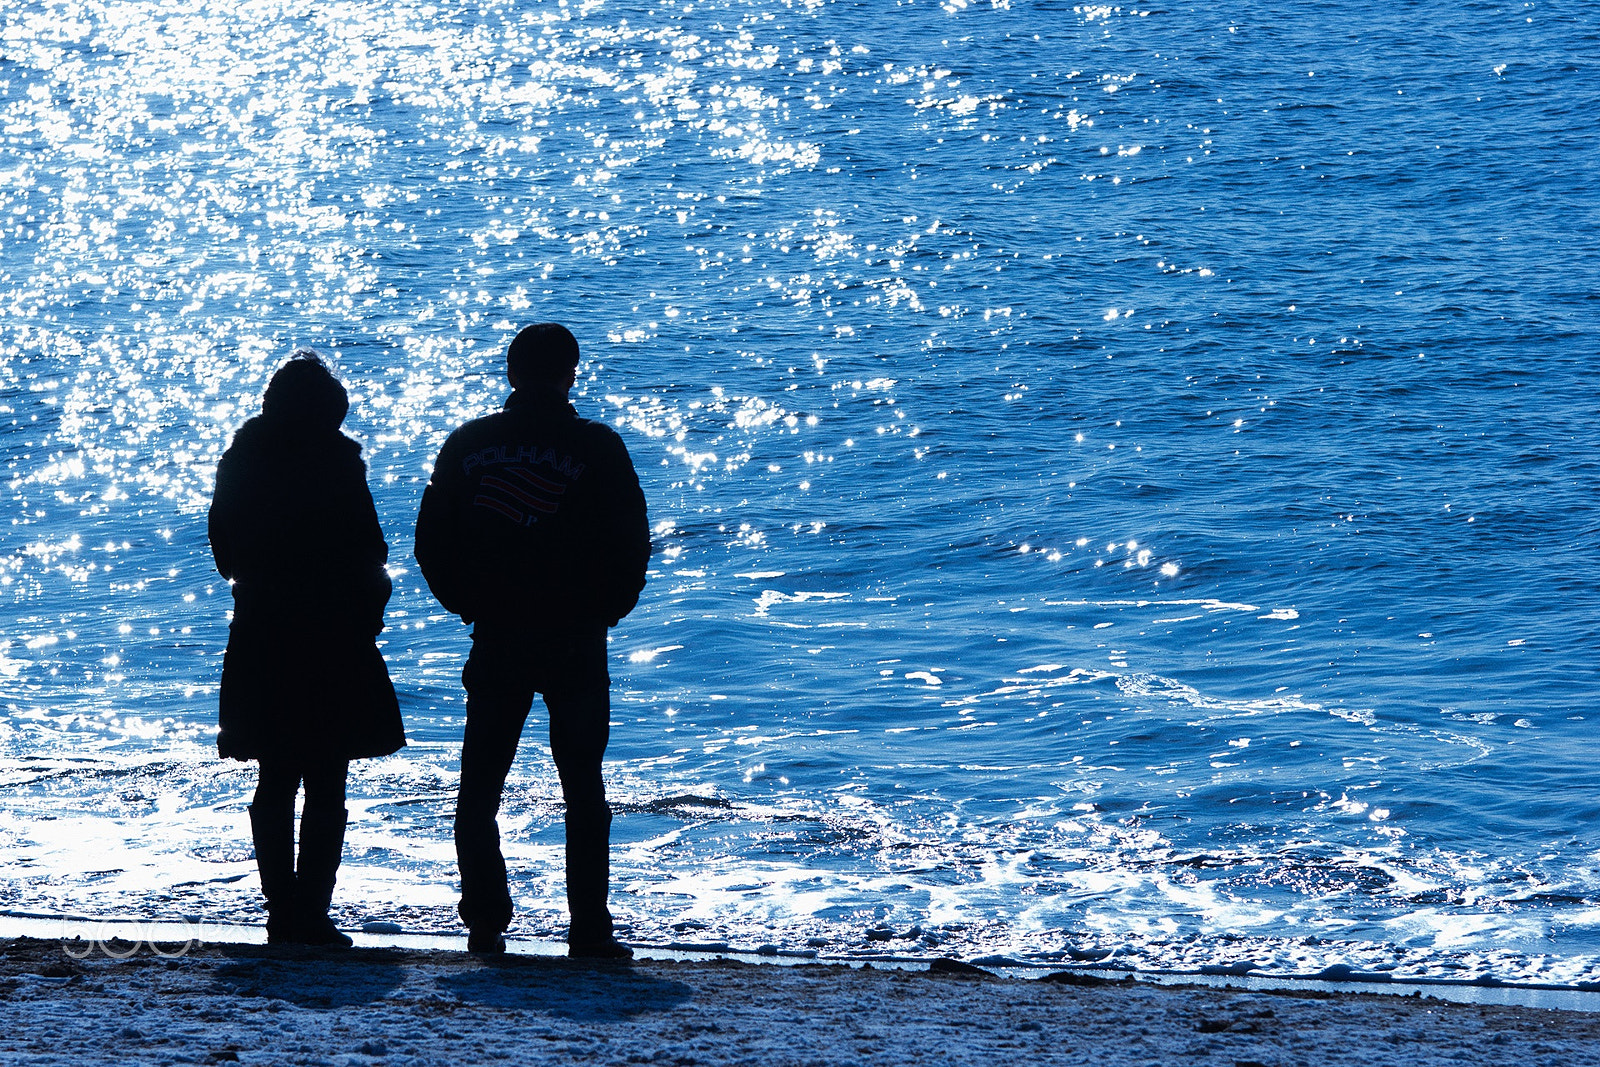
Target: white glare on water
{"points": [[986, 615]]}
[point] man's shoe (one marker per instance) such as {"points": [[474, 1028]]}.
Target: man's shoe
{"points": [[486, 942], [319, 930], [603, 948]]}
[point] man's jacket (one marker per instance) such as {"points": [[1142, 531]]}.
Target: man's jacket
{"points": [[534, 518]]}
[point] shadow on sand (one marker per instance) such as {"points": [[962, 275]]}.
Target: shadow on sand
{"points": [[588, 992], [561, 988], [310, 978]]}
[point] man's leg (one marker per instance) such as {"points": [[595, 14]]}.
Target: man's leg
{"points": [[497, 706], [580, 726]]}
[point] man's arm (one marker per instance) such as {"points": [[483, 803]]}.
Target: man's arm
{"points": [[438, 539], [628, 529]]}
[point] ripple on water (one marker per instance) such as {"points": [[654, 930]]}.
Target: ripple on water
{"points": [[1101, 513]]}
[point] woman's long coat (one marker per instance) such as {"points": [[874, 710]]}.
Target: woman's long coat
{"points": [[293, 527]]}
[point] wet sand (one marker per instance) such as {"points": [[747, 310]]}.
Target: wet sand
{"points": [[227, 1003]]}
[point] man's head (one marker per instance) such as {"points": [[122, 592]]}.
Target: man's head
{"points": [[545, 353]]}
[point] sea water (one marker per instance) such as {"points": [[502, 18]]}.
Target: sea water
{"points": [[1123, 479]]}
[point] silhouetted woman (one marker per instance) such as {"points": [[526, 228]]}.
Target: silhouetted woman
{"points": [[304, 687]]}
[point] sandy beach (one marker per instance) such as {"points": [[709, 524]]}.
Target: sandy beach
{"points": [[239, 1003]]}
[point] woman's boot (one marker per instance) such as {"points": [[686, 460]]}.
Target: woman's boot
{"points": [[321, 847], [274, 841]]}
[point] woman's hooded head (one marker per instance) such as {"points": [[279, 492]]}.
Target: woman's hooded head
{"points": [[304, 392]]}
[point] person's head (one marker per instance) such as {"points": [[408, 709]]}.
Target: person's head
{"points": [[542, 355], [305, 392]]}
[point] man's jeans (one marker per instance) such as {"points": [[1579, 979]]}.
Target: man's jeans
{"points": [[507, 667]]}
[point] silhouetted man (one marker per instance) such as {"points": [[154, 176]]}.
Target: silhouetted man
{"points": [[533, 530]]}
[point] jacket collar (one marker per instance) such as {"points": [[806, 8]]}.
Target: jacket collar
{"points": [[540, 401]]}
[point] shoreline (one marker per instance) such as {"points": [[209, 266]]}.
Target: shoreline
{"points": [[177, 938], [247, 1003]]}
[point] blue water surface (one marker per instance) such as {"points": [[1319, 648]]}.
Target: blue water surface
{"points": [[1124, 479]]}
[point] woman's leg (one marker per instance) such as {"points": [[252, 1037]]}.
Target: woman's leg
{"points": [[321, 847], [272, 829], [325, 786]]}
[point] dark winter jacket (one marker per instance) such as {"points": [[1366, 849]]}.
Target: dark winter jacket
{"points": [[534, 518], [293, 526]]}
